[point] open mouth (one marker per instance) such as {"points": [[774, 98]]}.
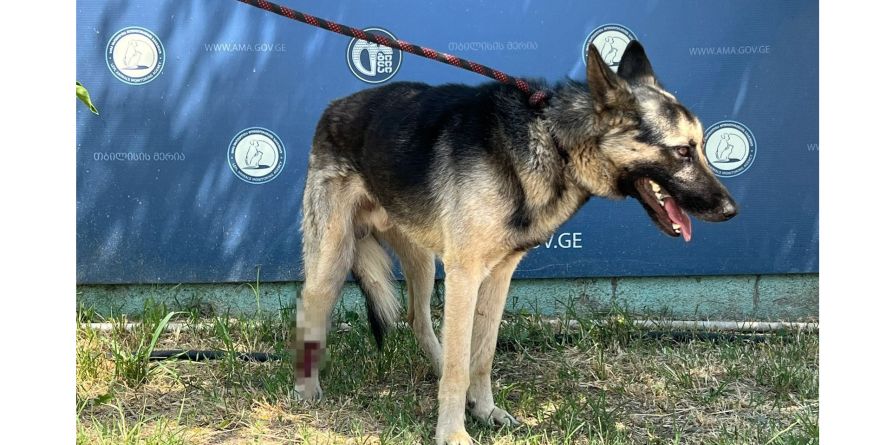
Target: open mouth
{"points": [[663, 209]]}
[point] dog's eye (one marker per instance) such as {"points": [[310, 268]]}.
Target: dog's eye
{"points": [[684, 151]]}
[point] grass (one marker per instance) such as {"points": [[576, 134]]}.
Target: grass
{"points": [[606, 382]]}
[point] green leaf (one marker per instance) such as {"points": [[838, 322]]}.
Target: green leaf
{"points": [[157, 332], [102, 399], [83, 95]]}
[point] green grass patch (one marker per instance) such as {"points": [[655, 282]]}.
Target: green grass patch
{"points": [[604, 381]]}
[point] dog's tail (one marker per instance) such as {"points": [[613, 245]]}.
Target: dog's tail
{"points": [[372, 272]]}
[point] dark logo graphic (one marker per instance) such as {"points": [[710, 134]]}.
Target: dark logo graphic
{"points": [[371, 62]]}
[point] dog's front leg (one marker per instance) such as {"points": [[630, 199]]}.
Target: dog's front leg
{"points": [[462, 282], [490, 304]]}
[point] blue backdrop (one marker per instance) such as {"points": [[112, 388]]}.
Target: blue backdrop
{"points": [[159, 198]]}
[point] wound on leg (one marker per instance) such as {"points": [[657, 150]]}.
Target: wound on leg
{"points": [[307, 358]]}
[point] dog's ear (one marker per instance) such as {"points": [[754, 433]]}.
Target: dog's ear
{"points": [[635, 67], [601, 79]]}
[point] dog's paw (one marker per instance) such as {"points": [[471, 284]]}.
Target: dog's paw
{"points": [[495, 416], [307, 393], [456, 438]]}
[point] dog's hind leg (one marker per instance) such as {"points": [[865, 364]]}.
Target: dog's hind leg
{"points": [[328, 244], [487, 317], [417, 264]]}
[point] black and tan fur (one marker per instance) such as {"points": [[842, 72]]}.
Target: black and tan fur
{"points": [[474, 177]]}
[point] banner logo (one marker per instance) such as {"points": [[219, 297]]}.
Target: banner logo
{"points": [[611, 40], [371, 62], [730, 147], [256, 155], [135, 55]]}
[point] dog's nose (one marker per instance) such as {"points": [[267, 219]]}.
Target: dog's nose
{"points": [[729, 210]]}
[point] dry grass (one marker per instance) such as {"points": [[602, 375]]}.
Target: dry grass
{"points": [[609, 383]]}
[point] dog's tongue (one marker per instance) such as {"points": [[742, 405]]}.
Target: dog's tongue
{"points": [[679, 216]]}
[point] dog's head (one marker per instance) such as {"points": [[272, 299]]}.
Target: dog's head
{"points": [[648, 146]]}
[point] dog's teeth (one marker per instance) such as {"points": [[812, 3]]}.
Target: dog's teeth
{"points": [[660, 202], [676, 227], [655, 187]]}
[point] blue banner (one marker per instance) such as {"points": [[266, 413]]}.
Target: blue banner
{"points": [[194, 169]]}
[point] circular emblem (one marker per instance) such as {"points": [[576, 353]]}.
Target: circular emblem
{"points": [[135, 55], [256, 155], [611, 40], [371, 62], [730, 148]]}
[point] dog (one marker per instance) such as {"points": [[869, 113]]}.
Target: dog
{"points": [[476, 176]]}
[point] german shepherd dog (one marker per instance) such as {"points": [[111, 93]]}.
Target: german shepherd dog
{"points": [[475, 176]]}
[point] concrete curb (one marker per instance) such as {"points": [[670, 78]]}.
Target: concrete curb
{"points": [[731, 297]]}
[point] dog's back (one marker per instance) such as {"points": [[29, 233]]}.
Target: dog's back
{"points": [[411, 143]]}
